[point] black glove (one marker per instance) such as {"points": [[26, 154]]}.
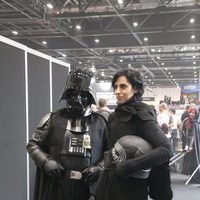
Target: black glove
{"points": [[91, 174], [53, 168], [121, 170], [108, 160]]}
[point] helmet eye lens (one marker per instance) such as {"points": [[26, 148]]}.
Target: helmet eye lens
{"points": [[81, 97]]}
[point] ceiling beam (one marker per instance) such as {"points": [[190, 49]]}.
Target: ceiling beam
{"points": [[106, 14]]}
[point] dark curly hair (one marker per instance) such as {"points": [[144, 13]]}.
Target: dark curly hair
{"points": [[134, 78]]}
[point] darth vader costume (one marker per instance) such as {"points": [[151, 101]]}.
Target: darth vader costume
{"points": [[67, 146]]}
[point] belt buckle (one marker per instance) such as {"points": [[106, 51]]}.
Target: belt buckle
{"points": [[75, 175]]}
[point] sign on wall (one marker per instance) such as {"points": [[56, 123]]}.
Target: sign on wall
{"points": [[109, 96]]}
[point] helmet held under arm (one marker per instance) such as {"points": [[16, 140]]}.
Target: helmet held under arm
{"points": [[129, 147]]}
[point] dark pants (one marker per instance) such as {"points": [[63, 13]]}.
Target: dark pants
{"points": [[64, 189], [174, 140], [183, 139]]}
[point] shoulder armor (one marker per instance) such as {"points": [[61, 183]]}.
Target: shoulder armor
{"points": [[44, 120]]}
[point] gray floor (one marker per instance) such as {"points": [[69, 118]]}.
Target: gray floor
{"points": [[182, 191]]}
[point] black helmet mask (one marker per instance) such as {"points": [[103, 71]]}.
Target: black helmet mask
{"points": [[130, 147], [78, 93]]}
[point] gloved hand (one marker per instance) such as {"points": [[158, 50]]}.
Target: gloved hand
{"points": [[53, 168], [108, 160], [91, 174], [121, 170]]}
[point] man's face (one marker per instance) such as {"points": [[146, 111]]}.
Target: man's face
{"points": [[123, 90]]}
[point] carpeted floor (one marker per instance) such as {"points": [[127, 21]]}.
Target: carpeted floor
{"points": [[182, 191]]}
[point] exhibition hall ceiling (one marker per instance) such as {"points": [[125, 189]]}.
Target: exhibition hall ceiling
{"points": [[159, 38]]}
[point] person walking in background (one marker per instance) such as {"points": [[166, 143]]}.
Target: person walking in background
{"points": [[187, 129], [68, 144], [191, 160], [165, 120], [103, 108], [174, 130], [128, 178], [186, 113], [163, 116]]}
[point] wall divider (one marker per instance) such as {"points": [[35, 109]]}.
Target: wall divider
{"points": [[28, 91]]}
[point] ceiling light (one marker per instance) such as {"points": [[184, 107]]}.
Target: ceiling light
{"points": [[194, 68], [15, 32], [185, 48], [194, 63], [49, 5], [120, 1], [110, 50], [78, 27], [192, 20], [135, 24], [62, 54], [80, 63], [145, 39], [162, 63], [96, 40], [44, 42], [120, 60], [192, 36], [166, 69], [93, 69], [193, 56], [158, 57]]}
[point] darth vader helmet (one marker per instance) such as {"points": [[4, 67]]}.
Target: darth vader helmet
{"points": [[129, 147], [79, 93]]}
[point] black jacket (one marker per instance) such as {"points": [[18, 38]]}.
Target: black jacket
{"points": [[134, 118], [47, 141]]}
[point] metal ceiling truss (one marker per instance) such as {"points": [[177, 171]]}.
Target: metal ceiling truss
{"points": [[169, 57]]}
